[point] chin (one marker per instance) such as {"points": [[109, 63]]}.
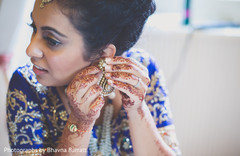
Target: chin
{"points": [[53, 82], [47, 83]]}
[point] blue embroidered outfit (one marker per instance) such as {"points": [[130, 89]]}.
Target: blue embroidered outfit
{"points": [[36, 115]]}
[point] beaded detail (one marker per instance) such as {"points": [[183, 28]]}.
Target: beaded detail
{"points": [[105, 146], [103, 82]]}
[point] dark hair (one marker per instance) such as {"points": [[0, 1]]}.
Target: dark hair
{"points": [[102, 22]]}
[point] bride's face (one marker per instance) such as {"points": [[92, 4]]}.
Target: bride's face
{"points": [[57, 48]]}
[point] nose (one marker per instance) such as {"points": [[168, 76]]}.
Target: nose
{"points": [[34, 48]]}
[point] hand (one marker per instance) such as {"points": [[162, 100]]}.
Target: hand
{"points": [[84, 96], [130, 78]]}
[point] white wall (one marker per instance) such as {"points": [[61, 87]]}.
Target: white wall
{"points": [[15, 35], [10, 16], [169, 5], [204, 11], [209, 11], [202, 71]]}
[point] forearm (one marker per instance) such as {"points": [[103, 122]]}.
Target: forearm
{"points": [[145, 137], [74, 143]]}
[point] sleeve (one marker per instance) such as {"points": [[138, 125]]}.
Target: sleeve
{"points": [[158, 103], [157, 99], [25, 121]]}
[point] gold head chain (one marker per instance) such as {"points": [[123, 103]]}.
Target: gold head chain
{"points": [[44, 2]]}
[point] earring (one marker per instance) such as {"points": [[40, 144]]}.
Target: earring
{"points": [[107, 89], [102, 63]]}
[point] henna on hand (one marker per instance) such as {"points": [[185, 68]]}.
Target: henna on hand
{"points": [[124, 77], [130, 78], [86, 103], [132, 97], [124, 60], [84, 97], [84, 123], [126, 100], [133, 66]]}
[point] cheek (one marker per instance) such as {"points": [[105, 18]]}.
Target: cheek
{"points": [[65, 67]]}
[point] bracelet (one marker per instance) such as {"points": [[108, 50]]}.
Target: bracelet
{"points": [[73, 128]]}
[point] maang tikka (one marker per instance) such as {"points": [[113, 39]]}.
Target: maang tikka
{"points": [[43, 3], [107, 89]]}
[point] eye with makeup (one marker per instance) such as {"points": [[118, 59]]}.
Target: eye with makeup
{"points": [[51, 40], [47, 36]]}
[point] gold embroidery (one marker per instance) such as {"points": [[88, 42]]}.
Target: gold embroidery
{"points": [[55, 113], [63, 115], [165, 113], [44, 105], [24, 113], [30, 76]]}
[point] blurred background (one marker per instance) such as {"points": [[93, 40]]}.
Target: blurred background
{"points": [[197, 45]]}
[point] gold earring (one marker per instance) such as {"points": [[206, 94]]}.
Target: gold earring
{"points": [[102, 63], [107, 89], [43, 3]]}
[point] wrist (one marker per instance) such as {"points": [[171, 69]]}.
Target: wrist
{"points": [[75, 124], [136, 112]]}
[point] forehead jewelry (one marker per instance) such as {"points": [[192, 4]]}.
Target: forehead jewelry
{"points": [[107, 89], [44, 2]]}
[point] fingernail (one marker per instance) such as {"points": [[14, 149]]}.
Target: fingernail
{"points": [[110, 82], [108, 75], [108, 67], [108, 60]]}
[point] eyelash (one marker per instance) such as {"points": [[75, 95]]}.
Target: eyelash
{"points": [[51, 42], [32, 25]]}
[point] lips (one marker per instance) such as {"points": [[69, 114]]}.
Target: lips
{"points": [[39, 70]]}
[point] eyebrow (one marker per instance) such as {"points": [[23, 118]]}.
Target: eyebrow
{"points": [[54, 30], [49, 28]]}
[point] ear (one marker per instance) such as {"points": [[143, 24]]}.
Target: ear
{"points": [[109, 51]]}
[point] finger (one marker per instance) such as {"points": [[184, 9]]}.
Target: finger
{"points": [[74, 84], [126, 60], [86, 83], [88, 70], [93, 92], [128, 68], [134, 93], [79, 85], [89, 97], [95, 107], [126, 78]]}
